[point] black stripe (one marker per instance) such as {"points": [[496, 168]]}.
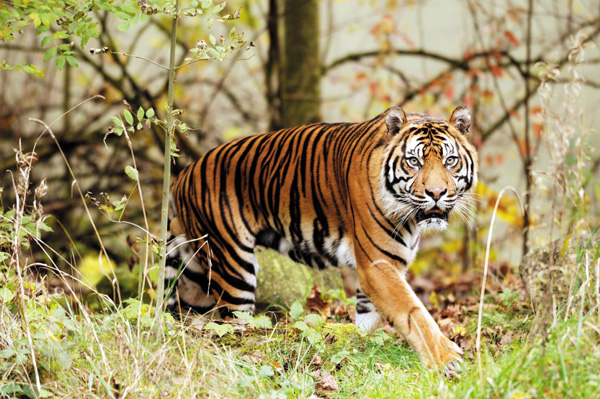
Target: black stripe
{"points": [[382, 250]]}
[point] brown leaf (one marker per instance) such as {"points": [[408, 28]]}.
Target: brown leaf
{"points": [[255, 357], [350, 279], [317, 362], [496, 70], [419, 282], [537, 128], [522, 147], [275, 364], [446, 326], [327, 383], [506, 339], [315, 302], [339, 308], [512, 38]]}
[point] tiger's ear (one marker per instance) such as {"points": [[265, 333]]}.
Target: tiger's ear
{"points": [[461, 119], [395, 120]]}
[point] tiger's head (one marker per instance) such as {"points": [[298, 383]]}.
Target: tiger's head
{"points": [[429, 167]]}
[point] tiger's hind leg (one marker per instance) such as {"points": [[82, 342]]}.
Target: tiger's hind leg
{"points": [[217, 271], [209, 278], [233, 278], [367, 317], [186, 282]]}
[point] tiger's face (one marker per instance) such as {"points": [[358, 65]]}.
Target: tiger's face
{"points": [[429, 167]]}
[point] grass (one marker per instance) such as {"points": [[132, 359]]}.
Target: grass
{"points": [[91, 355]]}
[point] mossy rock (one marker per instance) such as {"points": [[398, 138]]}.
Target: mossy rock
{"points": [[127, 280], [551, 281], [283, 281]]}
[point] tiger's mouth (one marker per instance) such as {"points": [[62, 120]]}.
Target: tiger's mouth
{"points": [[433, 213]]}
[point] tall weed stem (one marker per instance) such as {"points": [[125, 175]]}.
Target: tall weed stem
{"points": [[24, 162], [485, 272], [164, 211]]}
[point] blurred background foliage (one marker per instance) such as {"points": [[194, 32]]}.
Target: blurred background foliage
{"points": [[533, 94]]}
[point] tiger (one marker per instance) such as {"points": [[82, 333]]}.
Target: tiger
{"points": [[355, 195]]}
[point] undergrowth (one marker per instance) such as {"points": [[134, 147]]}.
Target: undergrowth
{"points": [[301, 356]]}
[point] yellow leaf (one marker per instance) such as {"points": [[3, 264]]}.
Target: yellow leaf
{"points": [[151, 293], [35, 17], [508, 208], [564, 248], [424, 261], [452, 246], [434, 299], [29, 286], [459, 330], [94, 268]]}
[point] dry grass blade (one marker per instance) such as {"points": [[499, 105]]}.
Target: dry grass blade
{"points": [[485, 272], [21, 186], [87, 210]]}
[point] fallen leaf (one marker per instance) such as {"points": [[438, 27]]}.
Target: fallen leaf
{"points": [[327, 383], [350, 280], [315, 302], [506, 339], [317, 362], [255, 357]]}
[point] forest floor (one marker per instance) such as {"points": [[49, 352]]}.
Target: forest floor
{"points": [[306, 351]]}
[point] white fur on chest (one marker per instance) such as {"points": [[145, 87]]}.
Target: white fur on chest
{"points": [[345, 253], [412, 244]]}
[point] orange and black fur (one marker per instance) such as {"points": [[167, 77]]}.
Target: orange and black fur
{"points": [[353, 195]]}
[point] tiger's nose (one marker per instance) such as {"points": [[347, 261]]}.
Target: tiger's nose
{"points": [[435, 192]]}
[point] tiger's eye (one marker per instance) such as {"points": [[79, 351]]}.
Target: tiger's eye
{"points": [[413, 162], [451, 162]]}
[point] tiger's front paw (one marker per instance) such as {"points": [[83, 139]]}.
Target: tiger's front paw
{"points": [[452, 369], [443, 354]]}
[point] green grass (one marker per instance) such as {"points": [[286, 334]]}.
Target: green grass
{"points": [[114, 354]]}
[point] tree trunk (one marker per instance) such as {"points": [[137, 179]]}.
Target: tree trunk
{"points": [[273, 67], [301, 67]]}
